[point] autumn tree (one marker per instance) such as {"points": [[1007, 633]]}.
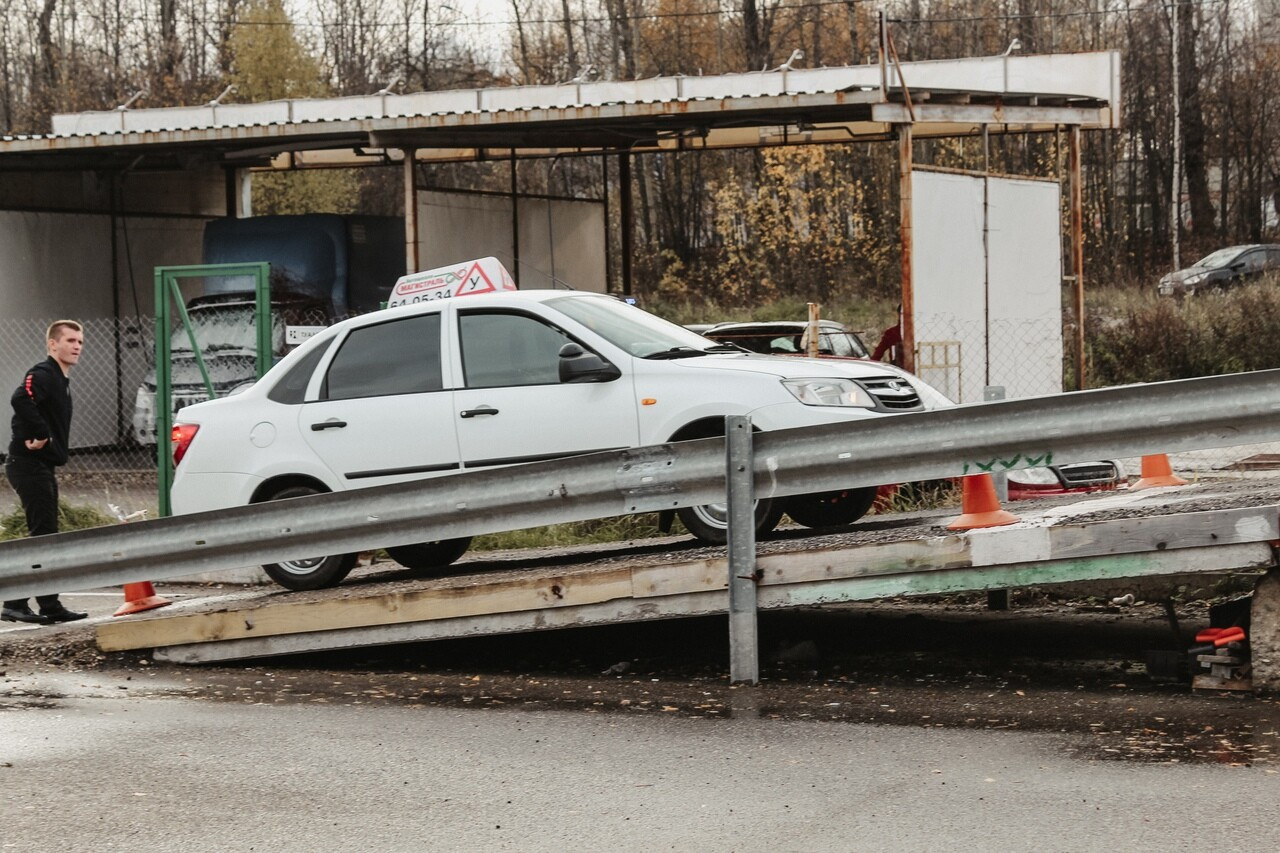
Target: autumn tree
{"points": [[270, 63]]}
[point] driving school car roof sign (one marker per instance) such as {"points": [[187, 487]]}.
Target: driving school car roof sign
{"points": [[484, 275]]}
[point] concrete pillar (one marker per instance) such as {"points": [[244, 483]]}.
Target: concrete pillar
{"points": [[1264, 632]]}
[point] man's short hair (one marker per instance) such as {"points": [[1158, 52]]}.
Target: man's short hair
{"points": [[56, 327]]}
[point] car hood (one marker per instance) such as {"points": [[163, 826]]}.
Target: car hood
{"points": [[792, 367], [226, 371], [1179, 276]]}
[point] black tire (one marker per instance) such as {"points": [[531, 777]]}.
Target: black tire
{"points": [[426, 556], [831, 509], [710, 523], [310, 572]]}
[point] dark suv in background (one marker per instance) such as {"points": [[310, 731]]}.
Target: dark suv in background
{"points": [[1222, 269]]}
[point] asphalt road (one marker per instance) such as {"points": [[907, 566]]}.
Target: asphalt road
{"points": [[94, 762]]}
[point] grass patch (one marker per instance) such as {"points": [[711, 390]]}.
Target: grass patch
{"points": [[595, 531], [70, 517], [1134, 335]]}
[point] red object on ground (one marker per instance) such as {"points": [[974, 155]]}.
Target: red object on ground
{"points": [[1157, 472], [139, 597], [979, 505], [1220, 636]]}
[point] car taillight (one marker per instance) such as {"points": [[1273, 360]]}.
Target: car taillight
{"points": [[180, 440]]}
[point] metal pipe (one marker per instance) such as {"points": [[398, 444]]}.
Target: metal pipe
{"points": [[411, 246], [1136, 420], [627, 215], [1077, 247], [905, 228]]}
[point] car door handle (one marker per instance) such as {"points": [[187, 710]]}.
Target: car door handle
{"points": [[483, 410], [329, 424]]}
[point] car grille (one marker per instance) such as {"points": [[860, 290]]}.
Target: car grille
{"points": [[1088, 474], [181, 401], [892, 394]]}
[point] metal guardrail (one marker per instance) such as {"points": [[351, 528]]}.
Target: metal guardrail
{"points": [[1076, 427]]}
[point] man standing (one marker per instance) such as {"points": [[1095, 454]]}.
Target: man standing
{"points": [[41, 433]]}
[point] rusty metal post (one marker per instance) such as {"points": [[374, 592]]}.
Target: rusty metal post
{"points": [[1077, 246], [625, 214], [411, 256], [905, 227]]}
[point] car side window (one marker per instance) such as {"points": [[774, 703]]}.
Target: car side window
{"points": [[501, 349], [397, 357], [292, 387], [1253, 261]]}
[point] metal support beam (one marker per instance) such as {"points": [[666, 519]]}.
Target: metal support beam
{"points": [[411, 250], [515, 219], [626, 214], [744, 654], [905, 228], [1077, 247]]}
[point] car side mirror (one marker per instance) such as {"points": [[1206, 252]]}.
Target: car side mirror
{"points": [[578, 365]]}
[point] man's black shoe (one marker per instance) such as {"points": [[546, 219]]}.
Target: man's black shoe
{"points": [[61, 614], [23, 614]]}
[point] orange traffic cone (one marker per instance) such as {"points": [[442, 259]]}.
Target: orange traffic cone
{"points": [[1156, 472], [980, 506], [139, 597]]}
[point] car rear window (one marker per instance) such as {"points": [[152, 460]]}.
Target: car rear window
{"points": [[396, 357], [292, 387]]}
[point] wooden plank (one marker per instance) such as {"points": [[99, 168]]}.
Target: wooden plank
{"points": [[349, 612], [1117, 548], [1004, 545], [605, 613], [1251, 556]]}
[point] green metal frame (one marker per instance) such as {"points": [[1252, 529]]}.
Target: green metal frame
{"points": [[169, 294]]}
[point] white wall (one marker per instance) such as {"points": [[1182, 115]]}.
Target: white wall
{"points": [[56, 265], [993, 312], [569, 250]]}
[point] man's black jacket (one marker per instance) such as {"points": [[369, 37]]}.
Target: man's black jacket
{"points": [[42, 409]]}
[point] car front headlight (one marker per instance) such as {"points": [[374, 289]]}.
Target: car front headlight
{"points": [[830, 392], [1193, 280], [1034, 477]]}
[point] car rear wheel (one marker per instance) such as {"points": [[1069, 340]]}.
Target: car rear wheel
{"points": [[710, 522], [426, 556], [831, 509], [308, 572]]}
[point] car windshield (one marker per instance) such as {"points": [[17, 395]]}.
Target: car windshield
{"points": [[844, 344], [631, 329], [1220, 258], [224, 327]]}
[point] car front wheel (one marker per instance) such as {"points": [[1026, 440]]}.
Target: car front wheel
{"points": [[308, 572], [710, 522]]}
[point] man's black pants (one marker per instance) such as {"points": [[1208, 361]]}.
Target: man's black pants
{"points": [[37, 488]]}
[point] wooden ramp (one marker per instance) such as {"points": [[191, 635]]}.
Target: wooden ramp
{"points": [[1047, 547]]}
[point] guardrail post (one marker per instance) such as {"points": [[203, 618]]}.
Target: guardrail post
{"points": [[744, 655], [999, 478]]}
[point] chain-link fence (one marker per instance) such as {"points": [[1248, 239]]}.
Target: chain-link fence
{"points": [[107, 465]]}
